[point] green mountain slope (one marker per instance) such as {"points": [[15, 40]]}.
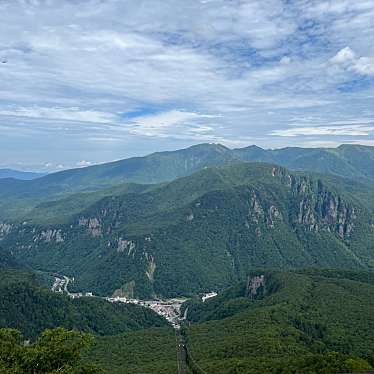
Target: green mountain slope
{"points": [[347, 161], [17, 197], [16, 174], [28, 306], [351, 161], [7, 260], [201, 232], [149, 351], [154, 168], [285, 323]]}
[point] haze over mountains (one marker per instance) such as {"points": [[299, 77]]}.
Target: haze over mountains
{"points": [[16, 174], [352, 161]]}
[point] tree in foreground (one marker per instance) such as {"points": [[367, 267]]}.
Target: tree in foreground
{"points": [[55, 351]]}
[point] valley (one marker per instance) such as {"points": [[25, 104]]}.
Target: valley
{"points": [[187, 187], [231, 268], [170, 309], [199, 233]]}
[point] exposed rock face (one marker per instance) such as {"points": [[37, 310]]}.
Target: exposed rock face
{"points": [[5, 229], [273, 215], [325, 211], [151, 267], [190, 217], [318, 208], [124, 245], [50, 235], [258, 213], [254, 285], [93, 225]]}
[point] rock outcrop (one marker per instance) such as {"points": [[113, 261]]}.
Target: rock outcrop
{"points": [[255, 286], [5, 229], [93, 225], [50, 235]]}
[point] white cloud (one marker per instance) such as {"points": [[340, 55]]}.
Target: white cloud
{"points": [[347, 58], [68, 114], [364, 66], [345, 130], [159, 124], [344, 55], [74, 67], [285, 60], [83, 163]]}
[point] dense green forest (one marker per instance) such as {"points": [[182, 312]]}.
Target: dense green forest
{"points": [[351, 161], [201, 232], [302, 322], [149, 351], [214, 228], [54, 351], [28, 306], [124, 336], [307, 321]]}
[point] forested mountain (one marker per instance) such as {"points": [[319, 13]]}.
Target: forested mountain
{"points": [[148, 351], [17, 197], [154, 168], [200, 232], [214, 226], [296, 322], [22, 175], [27, 305], [315, 321], [350, 161], [127, 337], [347, 160], [7, 260]]}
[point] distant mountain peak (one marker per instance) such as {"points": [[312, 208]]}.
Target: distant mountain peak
{"points": [[17, 174]]}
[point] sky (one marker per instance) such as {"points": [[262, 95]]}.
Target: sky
{"points": [[90, 81]]}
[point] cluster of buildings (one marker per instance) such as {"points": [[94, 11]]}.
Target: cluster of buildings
{"points": [[169, 309], [60, 285]]}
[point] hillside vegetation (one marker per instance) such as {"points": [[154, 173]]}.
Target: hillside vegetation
{"points": [[54, 351], [18, 196], [127, 338], [200, 232], [306, 322], [29, 307], [149, 351]]}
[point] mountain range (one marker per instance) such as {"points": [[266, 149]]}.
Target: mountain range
{"points": [[259, 227], [352, 161], [285, 322], [22, 175], [199, 232], [17, 197]]}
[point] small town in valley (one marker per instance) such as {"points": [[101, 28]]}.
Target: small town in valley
{"points": [[170, 309]]}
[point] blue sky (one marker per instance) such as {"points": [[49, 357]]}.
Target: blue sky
{"points": [[89, 81]]}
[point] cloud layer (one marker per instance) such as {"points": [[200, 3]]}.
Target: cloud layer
{"points": [[94, 80]]}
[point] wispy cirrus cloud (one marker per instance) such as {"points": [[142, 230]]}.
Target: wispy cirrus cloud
{"points": [[223, 71], [162, 124], [343, 130], [60, 113]]}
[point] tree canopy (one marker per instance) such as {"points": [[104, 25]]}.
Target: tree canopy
{"points": [[54, 351]]}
